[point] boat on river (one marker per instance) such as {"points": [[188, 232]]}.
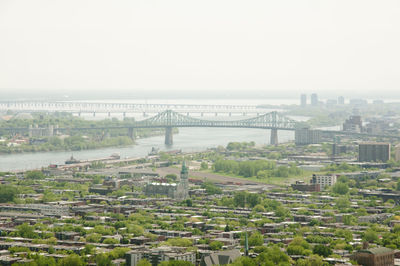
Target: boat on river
{"points": [[72, 160]]}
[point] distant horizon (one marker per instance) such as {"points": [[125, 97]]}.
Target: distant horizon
{"points": [[115, 94]]}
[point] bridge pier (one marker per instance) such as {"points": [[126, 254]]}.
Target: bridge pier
{"points": [[168, 136], [94, 114], [124, 114], [274, 137], [131, 133]]}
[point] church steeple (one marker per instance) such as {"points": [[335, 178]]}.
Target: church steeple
{"points": [[184, 170], [184, 182]]}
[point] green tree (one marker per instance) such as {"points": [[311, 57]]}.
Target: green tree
{"points": [[256, 239], [203, 166], [111, 241], [273, 256], [143, 262], [342, 203], [340, 188], [211, 188], [7, 193], [180, 242], [171, 177], [370, 236], [93, 238], [26, 231], [103, 260], [299, 246], [216, 245], [313, 260], [259, 208], [34, 175], [322, 250], [71, 260]]}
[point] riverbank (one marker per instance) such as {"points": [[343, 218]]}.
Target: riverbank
{"points": [[188, 140]]}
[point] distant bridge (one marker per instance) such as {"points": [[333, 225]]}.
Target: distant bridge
{"points": [[170, 119], [124, 108]]}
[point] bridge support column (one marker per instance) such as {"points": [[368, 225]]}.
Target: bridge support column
{"points": [[131, 133], [168, 136], [274, 137]]}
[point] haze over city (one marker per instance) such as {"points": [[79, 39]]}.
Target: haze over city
{"points": [[199, 133], [199, 49]]}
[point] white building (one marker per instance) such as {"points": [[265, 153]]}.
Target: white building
{"points": [[324, 180]]}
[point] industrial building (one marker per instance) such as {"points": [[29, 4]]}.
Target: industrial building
{"points": [[373, 152]]}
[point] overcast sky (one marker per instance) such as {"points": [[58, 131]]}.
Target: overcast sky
{"points": [[271, 48]]}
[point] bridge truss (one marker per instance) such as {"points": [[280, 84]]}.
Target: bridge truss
{"points": [[169, 118]]}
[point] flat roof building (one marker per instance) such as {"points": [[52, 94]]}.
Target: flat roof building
{"points": [[373, 152]]}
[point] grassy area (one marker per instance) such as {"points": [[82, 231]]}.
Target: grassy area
{"points": [[279, 181]]}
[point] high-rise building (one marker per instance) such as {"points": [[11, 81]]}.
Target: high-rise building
{"points": [[314, 99], [340, 100], [303, 100], [373, 152], [397, 152], [353, 124]]}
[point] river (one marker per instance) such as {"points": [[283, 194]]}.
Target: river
{"points": [[187, 140]]}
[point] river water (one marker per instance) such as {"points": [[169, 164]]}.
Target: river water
{"points": [[187, 140]]}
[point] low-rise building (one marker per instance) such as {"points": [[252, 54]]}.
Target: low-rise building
{"points": [[220, 258], [302, 186], [157, 255], [323, 180], [379, 256]]}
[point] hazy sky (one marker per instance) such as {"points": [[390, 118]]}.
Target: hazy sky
{"points": [[264, 48]]}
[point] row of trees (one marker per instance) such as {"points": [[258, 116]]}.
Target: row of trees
{"points": [[258, 168]]}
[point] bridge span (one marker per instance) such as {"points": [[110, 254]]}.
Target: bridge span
{"points": [[169, 119]]}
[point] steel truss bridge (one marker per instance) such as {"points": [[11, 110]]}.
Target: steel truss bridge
{"points": [[170, 119], [123, 108]]}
